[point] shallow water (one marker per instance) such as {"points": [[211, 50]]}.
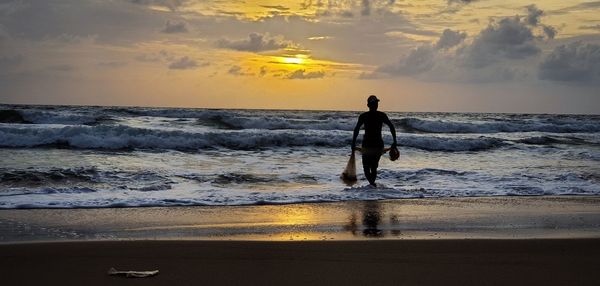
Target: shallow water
{"points": [[73, 157]]}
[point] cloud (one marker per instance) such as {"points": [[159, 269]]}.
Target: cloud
{"points": [[310, 3], [533, 15], [549, 31], [72, 39], [7, 62], [11, 7], [147, 58], [112, 64], [160, 56], [263, 71], [461, 1], [276, 7], [585, 6], [590, 27], [61, 68], [174, 27], [170, 4], [419, 60], [235, 70], [366, 8], [456, 5], [183, 63], [302, 74], [10, 64], [255, 42], [533, 19], [319, 38], [109, 22], [450, 39], [5, 39], [238, 71], [346, 14], [422, 58], [574, 62], [489, 56], [510, 38], [347, 9]]}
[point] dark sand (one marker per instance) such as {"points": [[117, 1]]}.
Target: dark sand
{"points": [[383, 262]]}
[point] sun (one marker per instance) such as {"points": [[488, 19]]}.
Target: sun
{"points": [[295, 59], [290, 60]]}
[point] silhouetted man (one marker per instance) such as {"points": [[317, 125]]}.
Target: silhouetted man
{"points": [[372, 143]]}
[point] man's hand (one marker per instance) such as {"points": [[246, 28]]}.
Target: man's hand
{"points": [[394, 145]]}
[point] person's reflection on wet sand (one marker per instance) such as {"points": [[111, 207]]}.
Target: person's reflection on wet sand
{"points": [[394, 223], [352, 227], [372, 215], [372, 219]]}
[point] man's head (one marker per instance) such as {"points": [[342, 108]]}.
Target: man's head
{"points": [[372, 102]]}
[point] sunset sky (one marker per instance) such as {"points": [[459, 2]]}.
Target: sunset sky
{"points": [[431, 55]]}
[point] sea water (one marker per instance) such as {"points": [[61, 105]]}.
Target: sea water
{"points": [[79, 157]]}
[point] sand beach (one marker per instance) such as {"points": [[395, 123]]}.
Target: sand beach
{"points": [[460, 241], [382, 262]]}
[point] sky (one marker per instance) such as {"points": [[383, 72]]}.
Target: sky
{"points": [[422, 56]]}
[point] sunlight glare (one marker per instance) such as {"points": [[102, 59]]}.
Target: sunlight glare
{"points": [[294, 60]]}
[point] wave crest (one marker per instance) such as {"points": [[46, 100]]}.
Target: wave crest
{"points": [[125, 137], [442, 126]]}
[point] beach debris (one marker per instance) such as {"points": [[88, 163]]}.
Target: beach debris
{"points": [[349, 174], [132, 273]]}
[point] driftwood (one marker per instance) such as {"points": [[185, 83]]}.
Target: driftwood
{"points": [[132, 274]]}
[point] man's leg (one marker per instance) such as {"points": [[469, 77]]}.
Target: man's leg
{"points": [[374, 165], [367, 161], [370, 163]]}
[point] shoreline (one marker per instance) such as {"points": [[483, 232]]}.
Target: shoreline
{"points": [[404, 219], [570, 196]]}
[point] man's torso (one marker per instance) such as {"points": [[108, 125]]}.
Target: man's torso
{"points": [[373, 121]]}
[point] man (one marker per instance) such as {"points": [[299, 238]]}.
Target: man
{"points": [[372, 143]]}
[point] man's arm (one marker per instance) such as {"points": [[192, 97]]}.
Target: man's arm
{"points": [[387, 121], [356, 131]]}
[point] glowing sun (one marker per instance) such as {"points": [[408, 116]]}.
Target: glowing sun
{"points": [[294, 60]]}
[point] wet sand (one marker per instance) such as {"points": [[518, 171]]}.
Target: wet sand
{"points": [[447, 218], [383, 262]]}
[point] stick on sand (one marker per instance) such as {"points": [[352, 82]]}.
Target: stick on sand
{"points": [[132, 274]]}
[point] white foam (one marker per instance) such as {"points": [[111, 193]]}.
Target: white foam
{"points": [[444, 126], [57, 117], [121, 137]]}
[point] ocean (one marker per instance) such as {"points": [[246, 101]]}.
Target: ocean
{"points": [[95, 157]]}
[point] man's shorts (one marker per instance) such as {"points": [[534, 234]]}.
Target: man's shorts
{"points": [[371, 156]]}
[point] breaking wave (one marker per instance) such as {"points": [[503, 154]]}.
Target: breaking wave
{"points": [[272, 123], [306, 120], [125, 137], [35, 116], [442, 126]]}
